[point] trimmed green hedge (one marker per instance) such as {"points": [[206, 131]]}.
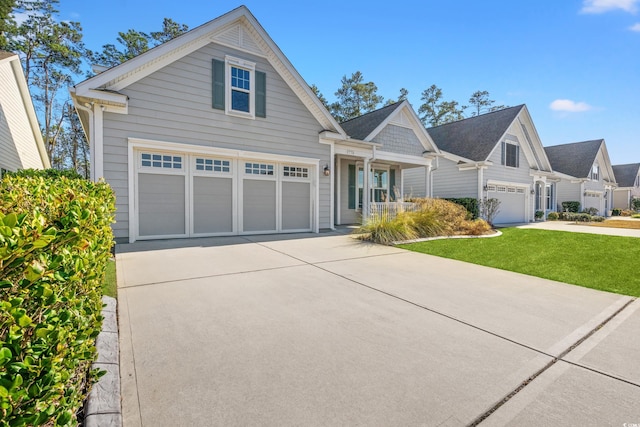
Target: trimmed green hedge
{"points": [[55, 241], [470, 204], [571, 207]]}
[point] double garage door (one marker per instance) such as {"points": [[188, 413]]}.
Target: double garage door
{"points": [[512, 203], [192, 195]]}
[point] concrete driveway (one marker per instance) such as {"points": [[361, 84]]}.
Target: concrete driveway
{"points": [[328, 330]]}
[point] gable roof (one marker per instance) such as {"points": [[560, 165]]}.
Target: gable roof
{"points": [[238, 29], [362, 126], [626, 174], [574, 159], [34, 140], [474, 138]]}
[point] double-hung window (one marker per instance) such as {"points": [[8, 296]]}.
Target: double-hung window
{"points": [[510, 154], [595, 173], [238, 88]]}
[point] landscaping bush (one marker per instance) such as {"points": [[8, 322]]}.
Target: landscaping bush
{"points": [[616, 212], [470, 204], [577, 217], [55, 241], [553, 216], [626, 212], [434, 217], [591, 211], [597, 218], [571, 207], [539, 215], [635, 204], [46, 173]]}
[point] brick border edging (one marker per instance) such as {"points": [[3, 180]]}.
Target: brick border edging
{"points": [[103, 408]]}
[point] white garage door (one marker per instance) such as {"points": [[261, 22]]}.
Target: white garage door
{"points": [[512, 203], [190, 195]]}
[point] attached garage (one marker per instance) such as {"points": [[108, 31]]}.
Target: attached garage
{"points": [[513, 203], [216, 192]]}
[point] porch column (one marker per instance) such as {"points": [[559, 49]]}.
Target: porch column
{"points": [[365, 191]]}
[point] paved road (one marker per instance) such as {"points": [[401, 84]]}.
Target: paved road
{"points": [[328, 330]]}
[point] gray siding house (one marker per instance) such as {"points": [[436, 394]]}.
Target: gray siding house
{"points": [[21, 145], [215, 133], [494, 155], [586, 175], [628, 180]]}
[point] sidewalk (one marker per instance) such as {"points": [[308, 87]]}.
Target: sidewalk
{"points": [[576, 228]]}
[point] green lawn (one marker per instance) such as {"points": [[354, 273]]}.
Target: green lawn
{"points": [[109, 286], [594, 261]]}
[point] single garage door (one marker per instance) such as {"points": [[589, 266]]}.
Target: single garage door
{"points": [[190, 195], [512, 203], [593, 199]]}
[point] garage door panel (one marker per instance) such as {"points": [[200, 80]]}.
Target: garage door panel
{"points": [[259, 205], [296, 206], [212, 205], [161, 201], [512, 208]]}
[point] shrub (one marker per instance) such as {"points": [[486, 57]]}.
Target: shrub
{"points": [[490, 208], [635, 204], [55, 241], [626, 212], [571, 207], [539, 214], [433, 217], [635, 216], [597, 218], [553, 216], [577, 217], [616, 212], [591, 211], [470, 204], [46, 173]]}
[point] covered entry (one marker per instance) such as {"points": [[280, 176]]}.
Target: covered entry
{"points": [[192, 194]]}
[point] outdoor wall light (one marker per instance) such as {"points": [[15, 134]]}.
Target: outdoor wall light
{"points": [[533, 192], [326, 171], [486, 187]]}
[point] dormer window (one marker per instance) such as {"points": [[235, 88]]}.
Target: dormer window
{"points": [[595, 173], [238, 88]]}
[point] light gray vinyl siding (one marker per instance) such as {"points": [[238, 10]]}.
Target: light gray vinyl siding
{"points": [[174, 104], [414, 184], [162, 205], [450, 182], [401, 140], [296, 211], [500, 172], [567, 192], [621, 199], [212, 205], [259, 205]]}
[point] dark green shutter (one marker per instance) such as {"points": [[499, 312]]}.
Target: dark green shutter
{"points": [[504, 153], [352, 186], [517, 156], [392, 183], [261, 94], [218, 84]]}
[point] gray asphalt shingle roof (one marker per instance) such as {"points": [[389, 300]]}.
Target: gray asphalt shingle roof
{"points": [[474, 138], [626, 174], [574, 159], [361, 127]]}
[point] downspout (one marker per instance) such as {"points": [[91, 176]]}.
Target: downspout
{"points": [[91, 136], [431, 177], [480, 181]]}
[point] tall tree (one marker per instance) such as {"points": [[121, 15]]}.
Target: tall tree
{"points": [[51, 51], [480, 102], [434, 111], [320, 96], [404, 93], [133, 42], [72, 151], [355, 98], [6, 21]]}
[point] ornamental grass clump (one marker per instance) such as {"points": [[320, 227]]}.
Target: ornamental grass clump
{"points": [[431, 218], [55, 242]]}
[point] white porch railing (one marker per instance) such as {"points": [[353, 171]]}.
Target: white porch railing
{"points": [[389, 210]]}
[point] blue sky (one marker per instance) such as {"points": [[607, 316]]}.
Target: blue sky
{"points": [[575, 63]]}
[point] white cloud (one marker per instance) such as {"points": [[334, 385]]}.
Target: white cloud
{"points": [[602, 6], [635, 27], [569, 106]]}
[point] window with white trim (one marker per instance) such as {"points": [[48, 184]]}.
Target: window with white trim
{"points": [[549, 197], [259, 169], [491, 188], [205, 164], [160, 161], [501, 189], [240, 87], [295, 172], [520, 190], [511, 190], [595, 172], [510, 154]]}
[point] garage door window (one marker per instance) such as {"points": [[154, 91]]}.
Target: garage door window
{"points": [[259, 169], [213, 165], [295, 172], [160, 161]]}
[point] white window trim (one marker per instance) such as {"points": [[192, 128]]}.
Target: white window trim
{"points": [[163, 171], [515, 144], [231, 61], [196, 172], [595, 172]]}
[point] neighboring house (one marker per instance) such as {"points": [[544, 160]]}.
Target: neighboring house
{"points": [[628, 180], [494, 155], [586, 174], [387, 142], [21, 145], [215, 133]]}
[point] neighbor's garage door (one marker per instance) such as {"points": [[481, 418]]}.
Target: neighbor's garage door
{"points": [[512, 203], [184, 195]]}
